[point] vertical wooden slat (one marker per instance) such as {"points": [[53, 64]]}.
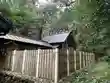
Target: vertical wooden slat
{"points": [[39, 67], [68, 64], [72, 52], [41, 57], [83, 60], [89, 59], [75, 60], [86, 59], [51, 64], [28, 61], [13, 59], [93, 57], [56, 65], [80, 57], [42, 64], [37, 62], [48, 64], [45, 63], [53, 54], [24, 56]]}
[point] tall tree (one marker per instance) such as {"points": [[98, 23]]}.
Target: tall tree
{"points": [[92, 29]]}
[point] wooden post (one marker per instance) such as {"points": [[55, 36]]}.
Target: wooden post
{"points": [[80, 57], [13, 60], [24, 56], [75, 60], [68, 64], [56, 65], [37, 63]]}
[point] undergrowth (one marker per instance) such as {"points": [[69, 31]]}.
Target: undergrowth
{"points": [[98, 73]]}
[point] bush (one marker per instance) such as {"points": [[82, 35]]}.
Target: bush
{"points": [[98, 73], [106, 59]]}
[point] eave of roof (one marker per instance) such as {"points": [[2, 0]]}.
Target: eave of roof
{"points": [[58, 38], [25, 40]]}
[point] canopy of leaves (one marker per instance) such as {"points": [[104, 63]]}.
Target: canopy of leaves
{"points": [[19, 12], [92, 29]]}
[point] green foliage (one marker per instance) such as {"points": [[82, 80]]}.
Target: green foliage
{"points": [[95, 74], [106, 59], [19, 12], [100, 23], [92, 24], [25, 16], [88, 18]]}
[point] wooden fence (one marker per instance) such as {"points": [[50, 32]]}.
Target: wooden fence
{"points": [[51, 64]]}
